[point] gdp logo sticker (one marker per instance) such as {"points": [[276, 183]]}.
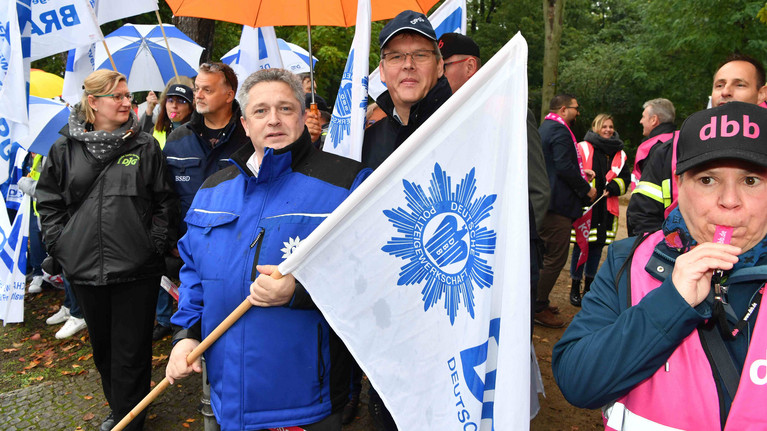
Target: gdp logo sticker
{"points": [[128, 160], [444, 241]]}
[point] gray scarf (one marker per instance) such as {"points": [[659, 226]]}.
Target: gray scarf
{"points": [[99, 142]]}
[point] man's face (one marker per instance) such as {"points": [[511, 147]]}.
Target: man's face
{"points": [[458, 69], [648, 121], [410, 81], [273, 117], [736, 81], [570, 111], [728, 193], [212, 93]]}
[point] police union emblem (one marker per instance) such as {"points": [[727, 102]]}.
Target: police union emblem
{"points": [[341, 121], [444, 241]]}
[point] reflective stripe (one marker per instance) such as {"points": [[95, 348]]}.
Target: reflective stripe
{"points": [[621, 184], [620, 418], [213, 212], [652, 191], [299, 214], [666, 187]]}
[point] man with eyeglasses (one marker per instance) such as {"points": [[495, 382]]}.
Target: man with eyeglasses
{"points": [[461, 56], [570, 190], [202, 146], [412, 69]]}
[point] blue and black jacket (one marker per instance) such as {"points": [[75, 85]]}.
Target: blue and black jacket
{"points": [[191, 160], [276, 366]]}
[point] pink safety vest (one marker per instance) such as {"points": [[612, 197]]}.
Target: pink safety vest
{"points": [[685, 396], [586, 152], [642, 152]]}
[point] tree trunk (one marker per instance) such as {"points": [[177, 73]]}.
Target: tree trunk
{"points": [[199, 30], [553, 11]]}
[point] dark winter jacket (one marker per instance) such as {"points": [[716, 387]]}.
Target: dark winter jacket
{"points": [[191, 160], [386, 135], [117, 229], [568, 189], [648, 203]]}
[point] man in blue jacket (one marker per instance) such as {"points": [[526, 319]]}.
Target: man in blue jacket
{"points": [[570, 190], [280, 365]]}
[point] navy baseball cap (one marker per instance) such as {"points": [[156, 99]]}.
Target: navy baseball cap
{"points": [[730, 131], [181, 91], [407, 21]]}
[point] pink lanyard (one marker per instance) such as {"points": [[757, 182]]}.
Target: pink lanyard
{"points": [[558, 119]]}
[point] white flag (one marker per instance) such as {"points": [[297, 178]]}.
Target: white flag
{"points": [[13, 265], [112, 10], [450, 17], [257, 50], [347, 125], [60, 25], [420, 271], [14, 73]]}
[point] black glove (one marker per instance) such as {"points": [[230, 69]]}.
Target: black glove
{"points": [[51, 266]]}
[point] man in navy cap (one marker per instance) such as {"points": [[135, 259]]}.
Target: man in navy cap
{"points": [[412, 69]]}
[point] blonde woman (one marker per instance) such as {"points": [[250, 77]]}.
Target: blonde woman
{"points": [[108, 213]]}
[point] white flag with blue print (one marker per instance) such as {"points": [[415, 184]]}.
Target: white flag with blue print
{"points": [[257, 50], [450, 17], [13, 264], [420, 271], [81, 60], [60, 25], [347, 125], [14, 73]]}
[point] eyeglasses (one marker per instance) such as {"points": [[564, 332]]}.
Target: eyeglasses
{"points": [[178, 100], [577, 108], [454, 62], [419, 57], [116, 97]]}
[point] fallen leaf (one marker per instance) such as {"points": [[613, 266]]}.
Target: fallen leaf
{"points": [[31, 365], [88, 397], [66, 348], [151, 416], [78, 429], [190, 420], [75, 366], [159, 358], [88, 416], [37, 378], [9, 350], [35, 337], [85, 357], [17, 345], [544, 340], [185, 425], [22, 360]]}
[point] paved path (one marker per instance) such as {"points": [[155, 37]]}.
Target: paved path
{"points": [[78, 404]]}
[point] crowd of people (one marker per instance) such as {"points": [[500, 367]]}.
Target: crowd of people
{"points": [[205, 185]]}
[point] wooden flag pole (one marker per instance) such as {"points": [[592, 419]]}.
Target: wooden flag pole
{"points": [[193, 356], [167, 45], [111, 60]]}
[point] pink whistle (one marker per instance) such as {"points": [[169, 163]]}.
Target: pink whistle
{"points": [[172, 115], [723, 234]]}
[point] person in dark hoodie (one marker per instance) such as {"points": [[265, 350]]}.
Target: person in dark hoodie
{"points": [[601, 151]]}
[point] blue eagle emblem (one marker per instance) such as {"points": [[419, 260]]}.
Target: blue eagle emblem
{"points": [[444, 241], [341, 121]]}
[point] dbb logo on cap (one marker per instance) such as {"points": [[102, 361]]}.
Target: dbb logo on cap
{"points": [[728, 129]]}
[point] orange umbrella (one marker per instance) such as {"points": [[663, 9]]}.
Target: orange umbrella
{"points": [[44, 84], [262, 13]]}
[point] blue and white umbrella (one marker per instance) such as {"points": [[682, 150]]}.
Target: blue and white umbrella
{"points": [[49, 116], [294, 58], [140, 54]]}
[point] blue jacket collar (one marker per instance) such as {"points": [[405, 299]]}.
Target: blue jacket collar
{"points": [[275, 162]]}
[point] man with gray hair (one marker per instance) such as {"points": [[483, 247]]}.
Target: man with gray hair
{"points": [[280, 365]]}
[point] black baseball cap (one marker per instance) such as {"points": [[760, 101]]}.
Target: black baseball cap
{"points": [[730, 131], [181, 91], [451, 44], [407, 21]]}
